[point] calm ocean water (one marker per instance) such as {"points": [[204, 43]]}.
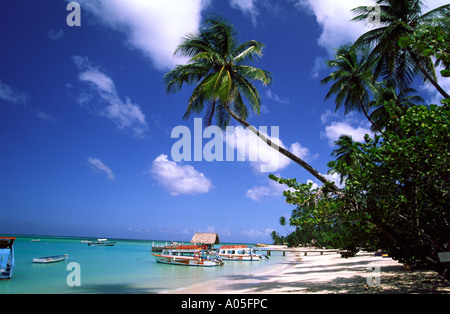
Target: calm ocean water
{"points": [[127, 267]]}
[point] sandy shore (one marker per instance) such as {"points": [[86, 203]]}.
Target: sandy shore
{"points": [[328, 273]]}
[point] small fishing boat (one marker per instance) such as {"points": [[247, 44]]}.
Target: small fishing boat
{"points": [[50, 259], [102, 242], [239, 253], [189, 255], [6, 257]]}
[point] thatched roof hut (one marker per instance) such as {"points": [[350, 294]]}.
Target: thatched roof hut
{"points": [[205, 238]]}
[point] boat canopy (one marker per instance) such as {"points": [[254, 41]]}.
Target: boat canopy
{"points": [[6, 242], [239, 246]]}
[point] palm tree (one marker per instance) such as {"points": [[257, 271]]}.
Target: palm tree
{"points": [[283, 223], [386, 94], [217, 67], [400, 18], [345, 155], [352, 80]]}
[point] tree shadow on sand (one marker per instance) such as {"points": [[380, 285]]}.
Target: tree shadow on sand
{"points": [[119, 288], [347, 277]]}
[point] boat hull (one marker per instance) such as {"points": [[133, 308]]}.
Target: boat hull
{"points": [[236, 257], [186, 261], [50, 259], [7, 263], [102, 244]]}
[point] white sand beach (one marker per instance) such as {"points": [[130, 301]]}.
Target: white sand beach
{"points": [[327, 274]]}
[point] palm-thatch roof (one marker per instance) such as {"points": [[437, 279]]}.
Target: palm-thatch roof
{"points": [[205, 238]]}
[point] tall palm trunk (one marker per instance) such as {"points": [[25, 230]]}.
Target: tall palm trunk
{"points": [[427, 75], [283, 151], [376, 127]]}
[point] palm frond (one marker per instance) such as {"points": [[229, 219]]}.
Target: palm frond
{"points": [[249, 91], [196, 102], [185, 74], [247, 52], [252, 73], [440, 12]]}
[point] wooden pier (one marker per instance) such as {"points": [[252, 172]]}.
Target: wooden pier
{"points": [[304, 251]]}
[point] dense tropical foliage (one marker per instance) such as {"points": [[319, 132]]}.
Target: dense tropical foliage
{"points": [[397, 184], [396, 200]]}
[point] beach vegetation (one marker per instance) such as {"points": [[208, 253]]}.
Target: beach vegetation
{"points": [[276, 238], [396, 200], [396, 184]]}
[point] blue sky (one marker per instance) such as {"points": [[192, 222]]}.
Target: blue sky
{"points": [[85, 120]]}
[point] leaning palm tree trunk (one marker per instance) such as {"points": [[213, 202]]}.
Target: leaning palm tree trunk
{"points": [[218, 67], [428, 76], [283, 151]]}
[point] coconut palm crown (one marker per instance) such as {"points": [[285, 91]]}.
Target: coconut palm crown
{"points": [[217, 66], [399, 18]]}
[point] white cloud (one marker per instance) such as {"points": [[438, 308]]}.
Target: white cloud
{"points": [[55, 35], [253, 8], [319, 65], [15, 96], [264, 192], [98, 166], [125, 114], [11, 94], [314, 185], [248, 7], [262, 157], [276, 98], [337, 125], [154, 27], [99, 79], [336, 178], [334, 18], [252, 233], [45, 116], [211, 229], [178, 179], [336, 129], [434, 96], [138, 230]]}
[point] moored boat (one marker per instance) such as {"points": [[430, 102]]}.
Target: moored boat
{"points": [[50, 259], [6, 257], [189, 255], [102, 242], [239, 253]]}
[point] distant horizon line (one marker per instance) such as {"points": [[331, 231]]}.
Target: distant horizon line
{"points": [[31, 236]]}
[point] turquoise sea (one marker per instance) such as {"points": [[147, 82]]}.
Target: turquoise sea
{"points": [[127, 267]]}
